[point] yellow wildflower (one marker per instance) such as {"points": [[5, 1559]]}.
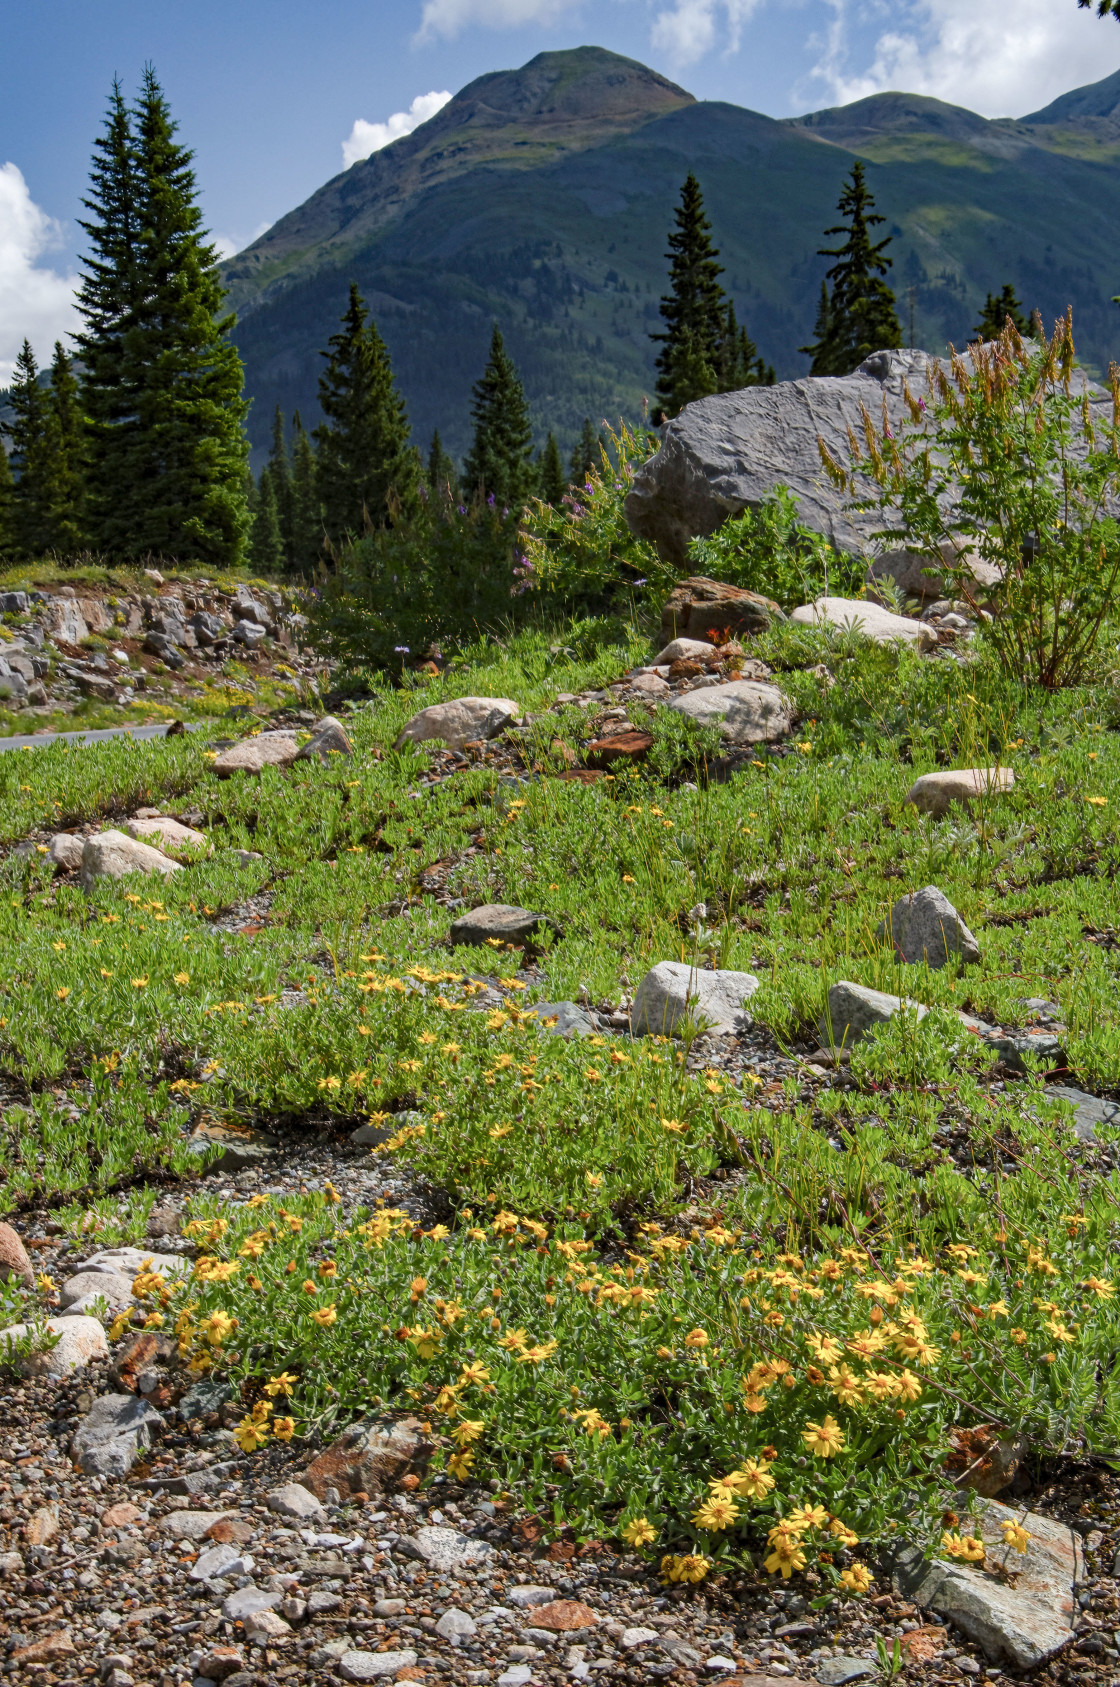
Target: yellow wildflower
{"points": [[639, 1532], [857, 1579], [1015, 1535], [824, 1440]]}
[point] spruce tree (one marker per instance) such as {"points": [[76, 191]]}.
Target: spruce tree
{"points": [[307, 525], [997, 308], [822, 327], [163, 384], [266, 546], [737, 361], [500, 463], [585, 457], [31, 457], [442, 475], [367, 470], [66, 465], [551, 470], [861, 308], [280, 473]]}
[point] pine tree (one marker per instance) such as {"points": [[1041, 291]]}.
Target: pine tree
{"points": [[366, 468], [585, 457], [266, 546], [442, 475], [551, 471], [861, 308], [822, 328], [997, 308], [7, 504], [500, 463], [163, 383], [738, 364], [307, 525], [66, 457], [280, 473], [31, 457]]}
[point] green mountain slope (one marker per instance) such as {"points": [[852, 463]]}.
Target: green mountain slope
{"points": [[541, 198]]}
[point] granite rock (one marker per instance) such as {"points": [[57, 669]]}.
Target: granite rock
{"points": [[672, 989], [464, 720], [924, 926], [746, 711]]}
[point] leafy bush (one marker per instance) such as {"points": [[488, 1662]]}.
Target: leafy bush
{"points": [[768, 550], [1008, 460]]}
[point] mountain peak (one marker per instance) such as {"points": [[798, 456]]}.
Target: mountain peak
{"points": [[1096, 101], [575, 86]]}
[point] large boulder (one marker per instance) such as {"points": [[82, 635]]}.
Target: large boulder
{"points": [[672, 990], [934, 793], [870, 620], [164, 833], [924, 926], [113, 855], [369, 1458], [462, 721], [746, 711], [699, 608], [267, 749]]}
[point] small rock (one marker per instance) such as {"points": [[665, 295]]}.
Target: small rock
{"points": [[79, 1292], [113, 855], [294, 1500], [66, 851], [119, 1516], [169, 835], [834, 1672], [294, 1609], [82, 1340], [496, 920], [369, 1458], [528, 1594], [517, 1676], [328, 737], [718, 1662], [14, 1261], [445, 1549], [564, 1019], [261, 1627], [933, 793], [562, 1616], [649, 685], [248, 1602], [462, 721], [217, 1561], [633, 1637], [368, 1666], [456, 1624], [672, 989], [854, 1011], [220, 1661], [746, 711], [924, 926], [108, 1439], [190, 1525], [42, 1525], [683, 650], [267, 749], [620, 746], [11, 1564], [46, 1650], [389, 1608]]}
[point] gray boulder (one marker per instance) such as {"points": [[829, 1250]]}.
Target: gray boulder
{"points": [[80, 1292], [672, 990], [328, 737], [267, 749], [462, 721], [1089, 1111], [563, 1019], [249, 633], [746, 711], [498, 920], [854, 1011], [869, 620], [207, 628], [934, 793], [66, 851], [113, 855], [924, 926], [108, 1439]]}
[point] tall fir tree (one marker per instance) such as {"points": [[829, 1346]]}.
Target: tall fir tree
{"points": [[997, 308], [280, 472], [551, 471], [266, 545], [703, 348], [162, 383], [7, 504], [500, 462], [861, 316], [31, 457], [442, 475], [367, 471], [307, 524], [66, 466], [585, 455]]}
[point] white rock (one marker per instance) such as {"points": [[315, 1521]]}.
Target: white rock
{"points": [[528, 1595], [169, 835], [83, 1339], [129, 1262], [217, 1560], [249, 1601], [11, 1564], [85, 1286], [632, 1637], [672, 989], [456, 1622], [870, 620], [683, 650], [368, 1666], [294, 1500], [517, 1676], [745, 710], [66, 851], [854, 1010], [265, 1626], [446, 1549], [267, 749], [459, 722], [924, 926], [114, 855], [933, 793], [716, 1661], [190, 1525]]}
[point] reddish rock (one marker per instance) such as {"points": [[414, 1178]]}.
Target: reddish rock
{"points": [[371, 1459], [46, 1649], [228, 1529], [924, 1644], [139, 1354], [41, 1526], [582, 775], [220, 1661], [687, 668], [622, 746], [13, 1257], [564, 1615], [983, 1460], [121, 1515], [707, 609]]}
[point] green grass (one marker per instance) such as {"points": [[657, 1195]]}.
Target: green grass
{"points": [[129, 1013]]}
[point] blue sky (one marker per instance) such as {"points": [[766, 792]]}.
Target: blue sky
{"points": [[268, 92]]}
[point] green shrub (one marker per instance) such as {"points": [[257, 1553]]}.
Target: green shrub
{"points": [[768, 550]]}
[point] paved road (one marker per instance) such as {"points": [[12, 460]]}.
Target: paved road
{"points": [[36, 740]]}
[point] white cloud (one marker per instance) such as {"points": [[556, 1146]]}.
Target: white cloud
{"points": [[35, 303], [689, 31], [227, 245], [448, 17], [974, 53], [371, 137]]}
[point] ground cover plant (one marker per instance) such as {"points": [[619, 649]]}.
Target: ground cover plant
{"points": [[678, 1305]]}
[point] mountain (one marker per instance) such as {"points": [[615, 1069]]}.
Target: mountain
{"points": [[540, 198]]}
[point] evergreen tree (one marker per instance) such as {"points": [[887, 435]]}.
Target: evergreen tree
{"points": [[443, 476], [7, 504], [500, 464], [585, 457], [162, 384], [822, 328], [997, 308], [280, 473], [66, 457], [738, 364], [266, 546], [307, 525], [366, 468], [861, 316], [31, 457], [551, 470]]}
